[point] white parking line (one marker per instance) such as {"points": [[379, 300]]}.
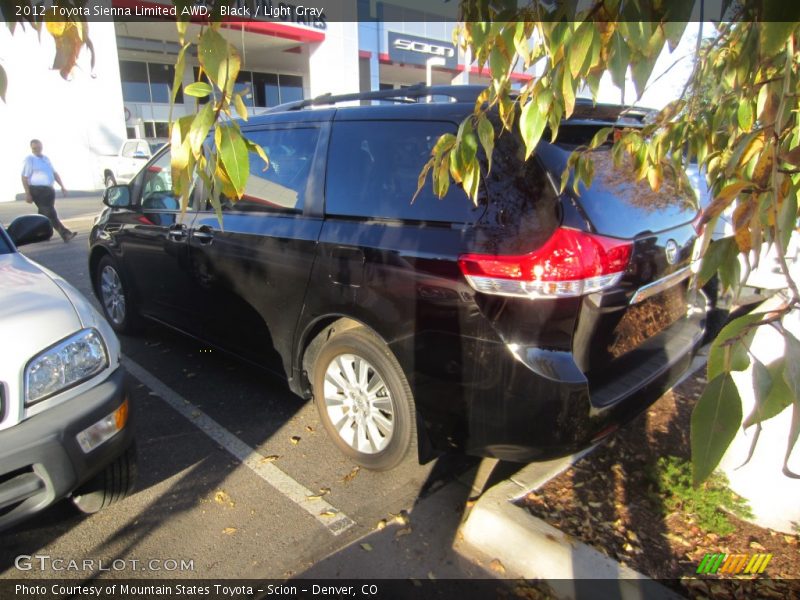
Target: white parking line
{"points": [[332, 518]]}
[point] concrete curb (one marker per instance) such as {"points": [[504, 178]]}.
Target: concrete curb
{"points": [[528, 547]]}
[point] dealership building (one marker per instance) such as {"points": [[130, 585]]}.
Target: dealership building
{"points": [[287, 55]]}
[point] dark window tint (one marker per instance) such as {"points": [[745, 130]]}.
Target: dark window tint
{"points": [[135, 87], [374, 166], [282, 186]]}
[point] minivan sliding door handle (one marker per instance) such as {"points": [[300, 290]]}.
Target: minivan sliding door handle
{"points": [[177, 233], [203, 234]]}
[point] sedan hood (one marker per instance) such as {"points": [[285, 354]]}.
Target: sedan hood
{"points": [[34, 312]]}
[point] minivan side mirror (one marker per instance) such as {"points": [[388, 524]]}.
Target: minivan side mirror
{"points": [[117, 196], [29, 229]]}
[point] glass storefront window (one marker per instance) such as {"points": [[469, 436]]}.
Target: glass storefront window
{"points": [[147, 82], [291, 87], [266, 89], [135, 85], [161, 78]]}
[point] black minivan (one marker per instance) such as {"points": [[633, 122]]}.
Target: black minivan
{"points": [[524, 328]]}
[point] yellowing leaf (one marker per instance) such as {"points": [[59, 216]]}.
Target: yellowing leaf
{"points": [[741, 224], [568, 94], [233, 153], [241, 109]]}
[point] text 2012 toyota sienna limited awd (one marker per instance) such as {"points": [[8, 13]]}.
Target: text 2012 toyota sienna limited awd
{"points": [[523, 328]]}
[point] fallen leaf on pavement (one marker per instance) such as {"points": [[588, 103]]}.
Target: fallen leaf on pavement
{"points": [[328, 513], [295, 439], [367, 547], [229, 530], [381, 524], [270, 458], [222, 497], [349, 477], [309, 429], [402, 518]]}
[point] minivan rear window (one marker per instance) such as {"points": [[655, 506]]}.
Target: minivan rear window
{"points": [[374, 166]]}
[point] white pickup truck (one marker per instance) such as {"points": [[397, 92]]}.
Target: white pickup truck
{"points": [[132, 157]]}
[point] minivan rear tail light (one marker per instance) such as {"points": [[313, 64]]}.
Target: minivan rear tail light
{"points": [[570, 263]]}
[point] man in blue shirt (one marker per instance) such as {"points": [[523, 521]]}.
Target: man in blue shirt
{"points": [[38, 177]]}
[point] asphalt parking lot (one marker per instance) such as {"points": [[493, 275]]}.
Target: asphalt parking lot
{"points": [[236, 476]]}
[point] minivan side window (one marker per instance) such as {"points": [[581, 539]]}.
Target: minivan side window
{"points": [[281, 184], [374, 167], [157, 185]]}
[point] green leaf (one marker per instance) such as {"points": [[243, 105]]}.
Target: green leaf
{"points": [[579, 46], [180, 68], [619, 60], [219, 59], [441, 180], [787, 217], [712, 259], [773, 36], [233, 152], [641, 70], [745, 114], [791, 375], [600, 138], [732, 343], [673, 30], [198, 89], [762, 383], [200, 127], [715, 420], [778, 395], [3, 83], [531, 124], [211, 53], [498, 64], [486, 136]]}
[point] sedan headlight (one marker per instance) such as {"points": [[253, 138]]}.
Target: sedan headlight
{"points": [[64, 365]]}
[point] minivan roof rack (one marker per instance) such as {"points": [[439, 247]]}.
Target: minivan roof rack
{"points": [[459, 93]]}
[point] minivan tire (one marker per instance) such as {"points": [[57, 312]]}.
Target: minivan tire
{"points": [[110, 485], [349, 368], [112, 289]]}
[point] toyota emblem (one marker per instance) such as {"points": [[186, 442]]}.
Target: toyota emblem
{"points": [[671, 250]]}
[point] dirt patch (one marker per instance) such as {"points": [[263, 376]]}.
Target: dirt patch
{"points": [[612, 501]]}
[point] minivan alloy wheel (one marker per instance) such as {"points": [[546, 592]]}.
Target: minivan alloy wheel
{"points": [[112, 294], [359, 403]]}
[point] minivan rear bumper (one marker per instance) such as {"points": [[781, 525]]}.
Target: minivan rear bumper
{"points": [[522, 404], [544, 416]]}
